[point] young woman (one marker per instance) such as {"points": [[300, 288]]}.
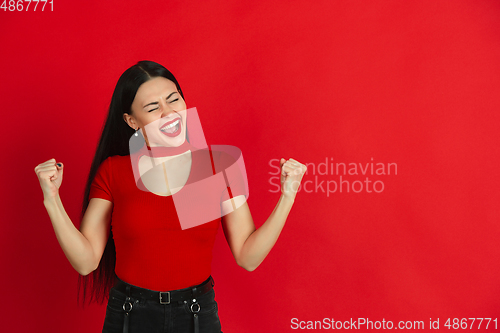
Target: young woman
{"points": [[155, 273]]}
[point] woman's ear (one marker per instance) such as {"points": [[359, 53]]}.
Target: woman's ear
{"points": [[129, 120]]}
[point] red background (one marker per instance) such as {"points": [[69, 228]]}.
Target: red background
{"points": [[412, 83]]}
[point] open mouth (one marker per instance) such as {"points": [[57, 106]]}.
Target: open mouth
{"points": [[172, 128]]}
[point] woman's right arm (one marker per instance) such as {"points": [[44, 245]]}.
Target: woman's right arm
{"points": [[84, 247]]}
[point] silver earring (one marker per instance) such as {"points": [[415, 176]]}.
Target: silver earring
{"points": [[136, 132]]}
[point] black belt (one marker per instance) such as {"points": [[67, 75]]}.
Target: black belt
{"points": [[164, 297]]}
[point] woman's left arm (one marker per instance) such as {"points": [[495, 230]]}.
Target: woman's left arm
{"points": [[250, 245]]}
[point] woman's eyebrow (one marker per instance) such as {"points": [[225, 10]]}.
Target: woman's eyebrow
{"points": [[175, 92]]}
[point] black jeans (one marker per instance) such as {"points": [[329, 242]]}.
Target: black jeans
{"points": [[153, 317]]}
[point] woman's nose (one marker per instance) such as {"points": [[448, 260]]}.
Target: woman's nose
{"points": [[166, 110]]}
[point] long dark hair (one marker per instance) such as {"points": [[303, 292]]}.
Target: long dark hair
{"points": [[114, 140]]}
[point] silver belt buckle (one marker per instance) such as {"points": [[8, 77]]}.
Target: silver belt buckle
{"points": [[161, 300]]}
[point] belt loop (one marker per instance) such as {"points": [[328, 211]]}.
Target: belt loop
{"points": [[128, 290], [195, 314], [127, 300], [196, 325]]}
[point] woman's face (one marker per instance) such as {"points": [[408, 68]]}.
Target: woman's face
{"points": [[159, 111]]}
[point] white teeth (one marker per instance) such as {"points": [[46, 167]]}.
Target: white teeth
{"points": [[171, 125]]}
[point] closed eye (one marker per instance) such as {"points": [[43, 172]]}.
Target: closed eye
{"points": [[175, 100]]}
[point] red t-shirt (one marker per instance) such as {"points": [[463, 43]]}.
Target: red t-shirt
{"points": [[152, 250]]}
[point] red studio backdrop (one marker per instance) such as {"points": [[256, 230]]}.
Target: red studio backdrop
{"points": [[393, 106]]}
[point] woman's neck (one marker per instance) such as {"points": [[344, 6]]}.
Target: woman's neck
{"points": [[162, 151]]}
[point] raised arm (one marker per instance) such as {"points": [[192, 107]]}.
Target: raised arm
{"points": [[83, 248], [249, 245]]}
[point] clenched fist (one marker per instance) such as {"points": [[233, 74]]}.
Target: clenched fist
{"points": [[50, 175], [292, 172]]}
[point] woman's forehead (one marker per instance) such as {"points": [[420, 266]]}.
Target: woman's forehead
{"points": [[155, 87]]}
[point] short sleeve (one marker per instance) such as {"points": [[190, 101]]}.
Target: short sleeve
{"points": [[235, 177], [101, 185]]}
